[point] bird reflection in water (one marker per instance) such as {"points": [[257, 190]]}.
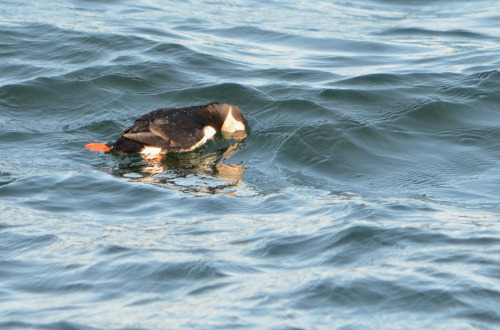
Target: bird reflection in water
{"points": [[200, 172]]}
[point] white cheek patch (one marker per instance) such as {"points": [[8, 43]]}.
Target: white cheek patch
{"points": [[231, 124], [238, 126]]}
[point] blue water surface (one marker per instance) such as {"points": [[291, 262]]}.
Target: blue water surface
{"points": [[366, 194]]}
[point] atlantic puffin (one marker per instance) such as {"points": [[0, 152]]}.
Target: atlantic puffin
{"points": [[176, 129]]}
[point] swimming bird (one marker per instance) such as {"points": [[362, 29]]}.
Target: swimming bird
{"points": [[176, 129]]}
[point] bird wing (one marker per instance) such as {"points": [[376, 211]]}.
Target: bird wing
{"points": [[168, 133]]}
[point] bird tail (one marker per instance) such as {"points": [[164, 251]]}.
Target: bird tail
{"points": [[96, 146]]}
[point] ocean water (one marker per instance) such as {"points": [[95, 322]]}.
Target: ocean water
{"points": [[365, 196]]}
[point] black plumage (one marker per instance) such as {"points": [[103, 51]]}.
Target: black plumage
{"points": [[179, 129]]}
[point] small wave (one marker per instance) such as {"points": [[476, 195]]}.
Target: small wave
{"points": [[416, 32]]}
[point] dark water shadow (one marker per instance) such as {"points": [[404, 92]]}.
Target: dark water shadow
{"points": [[205, 171]]}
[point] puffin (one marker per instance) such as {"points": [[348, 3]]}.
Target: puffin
{"points": [[168, 130]]}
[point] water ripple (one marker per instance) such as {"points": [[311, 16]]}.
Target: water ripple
{"points": [[365, 194]]}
